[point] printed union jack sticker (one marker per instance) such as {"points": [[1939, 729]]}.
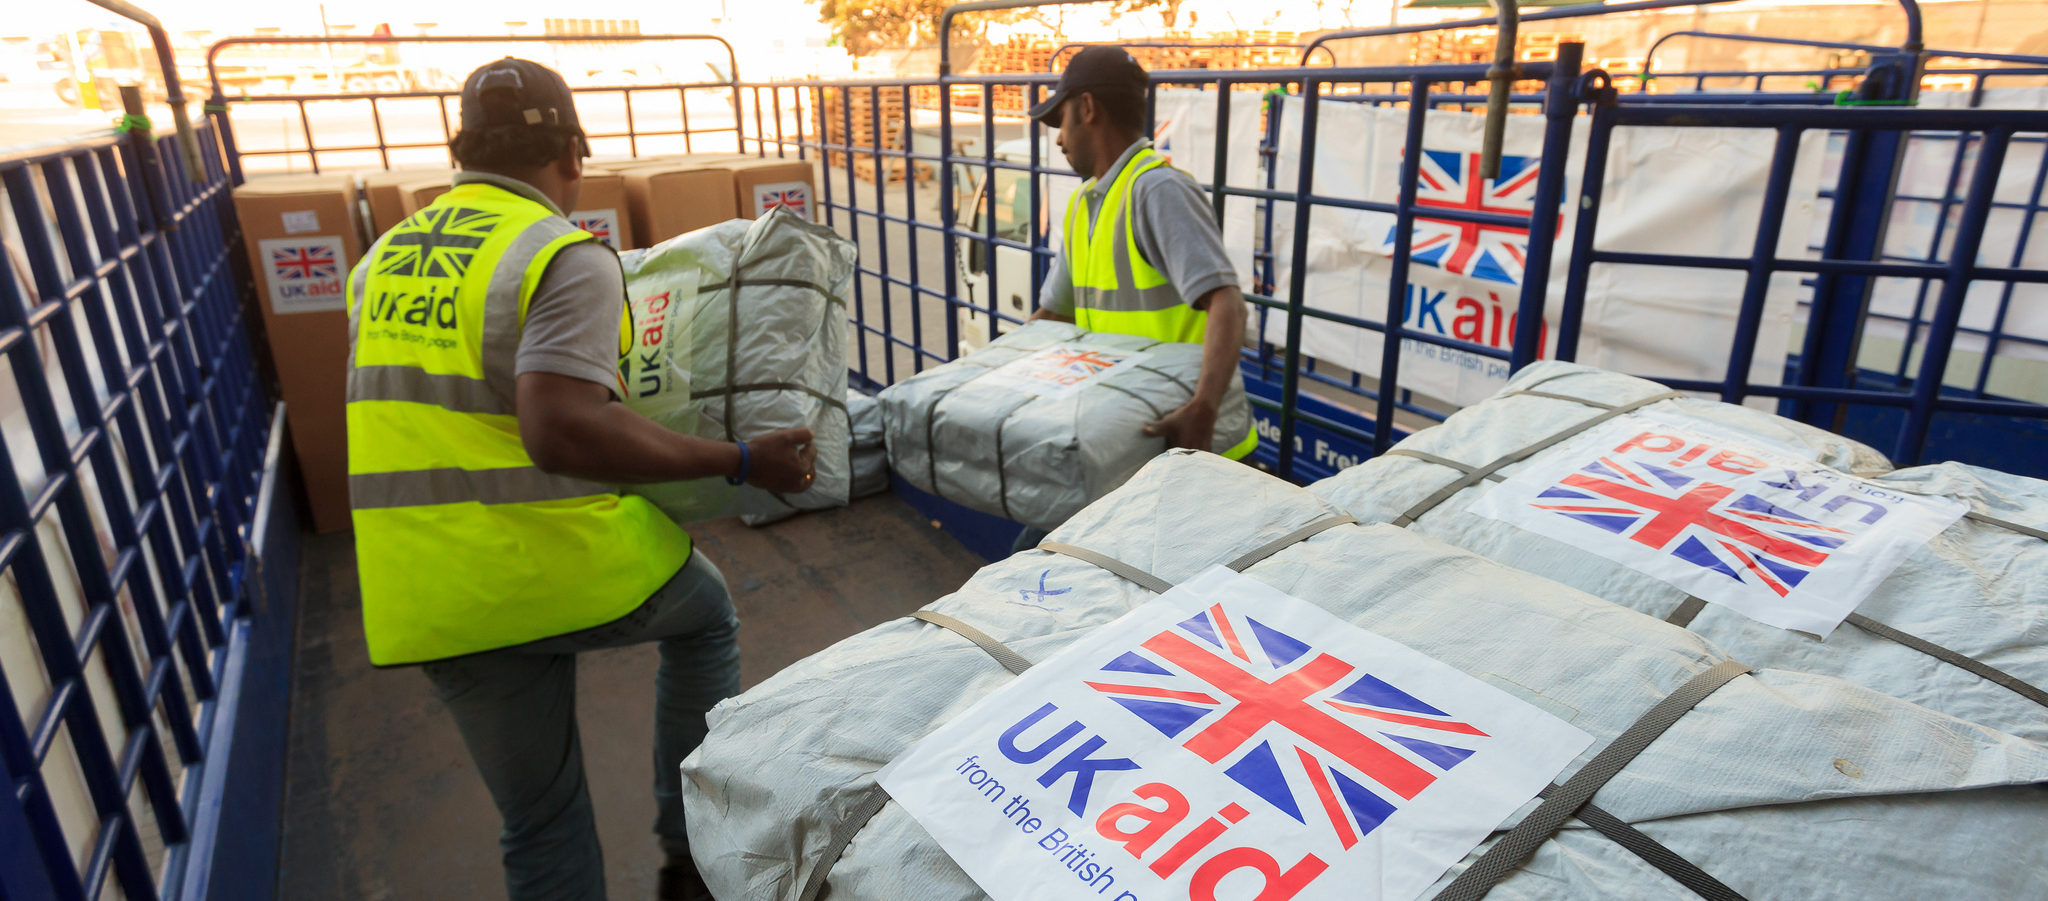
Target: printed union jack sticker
{"points": [[1228, 742], [1451, 181], [305, 274], [1780, 539], [1058, 370], [794, 196], [601, 223]]}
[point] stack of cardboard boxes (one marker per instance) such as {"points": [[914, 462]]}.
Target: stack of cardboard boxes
{"points": [[304, 235], [672, 195], [305, 232]]}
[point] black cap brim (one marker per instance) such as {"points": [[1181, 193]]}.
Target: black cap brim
{"points": [[1048, 111]]}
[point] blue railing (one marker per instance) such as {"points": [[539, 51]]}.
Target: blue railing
{"points": [[1819, 395], [1884, 362], [138, 431], [908, 317]]}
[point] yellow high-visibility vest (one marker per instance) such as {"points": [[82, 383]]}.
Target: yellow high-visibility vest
{"points": [[1115, 289], [462, 544]]}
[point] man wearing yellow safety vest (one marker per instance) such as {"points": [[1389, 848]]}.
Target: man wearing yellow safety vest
{"points": [[485, 444], [1140, 253]]}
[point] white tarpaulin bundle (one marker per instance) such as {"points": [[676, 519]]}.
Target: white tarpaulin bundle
{"points": [[1778, 784], [870, 454], [1184, 132], [1045, 419], [1759, 533], [740, 329]]}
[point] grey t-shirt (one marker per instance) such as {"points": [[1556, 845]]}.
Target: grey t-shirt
{"points": [[1177, 234], [572, 320]]}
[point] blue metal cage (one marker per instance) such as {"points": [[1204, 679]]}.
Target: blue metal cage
{"points": [[146, 463]]}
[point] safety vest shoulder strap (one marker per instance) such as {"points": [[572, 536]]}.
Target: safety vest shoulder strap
{"points": [[511, 288]]}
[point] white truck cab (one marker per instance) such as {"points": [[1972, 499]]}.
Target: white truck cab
{"points": [[1008, 198]]}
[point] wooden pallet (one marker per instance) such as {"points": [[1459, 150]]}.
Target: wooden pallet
{"points": [[890, 170], [872, 114]]}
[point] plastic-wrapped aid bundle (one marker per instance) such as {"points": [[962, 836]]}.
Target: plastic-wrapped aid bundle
{"points": [[1046, 419], [740, 329], [1772, 784], [1757, 532], [870, 451]]}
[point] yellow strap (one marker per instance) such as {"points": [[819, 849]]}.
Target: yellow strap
{"points": [[1244, 448]]}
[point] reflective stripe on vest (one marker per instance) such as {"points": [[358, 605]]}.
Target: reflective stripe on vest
{"points": [[1115, 289], [462, 543]]}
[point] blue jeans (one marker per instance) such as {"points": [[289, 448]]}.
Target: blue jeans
{"points": [[516, 708]]}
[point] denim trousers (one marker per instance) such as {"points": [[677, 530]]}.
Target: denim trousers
{"points": [[516, 709]]}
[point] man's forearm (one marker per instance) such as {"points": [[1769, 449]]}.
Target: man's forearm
{"points": [[1044, 313], [1222, 343], [573, 427], [634, 450]]}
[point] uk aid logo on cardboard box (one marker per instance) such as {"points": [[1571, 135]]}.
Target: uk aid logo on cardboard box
{"points": [[304, 275], [794, 196], [602, 224], [1761, 530], [1228, 742]]}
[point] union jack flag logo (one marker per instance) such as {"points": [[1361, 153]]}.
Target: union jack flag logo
{"points": [[1314, 736], [796, 200], [599, 226], [1451, 181], [1083, 362], [1714, 527], [295, 263], [437, 242]]}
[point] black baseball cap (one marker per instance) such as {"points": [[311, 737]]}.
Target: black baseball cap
{"points": [[1093, 69], [519, 92]]}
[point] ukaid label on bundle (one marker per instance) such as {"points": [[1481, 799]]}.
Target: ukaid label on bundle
{"points": [[737, 330], [1047, 418], [1343, 764], [1763, 530]]}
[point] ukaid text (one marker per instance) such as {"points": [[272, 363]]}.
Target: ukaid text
{"points": [[1766, 532], [737, 330], [1227, 741]]}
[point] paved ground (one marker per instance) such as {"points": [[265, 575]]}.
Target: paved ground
{"points": [[381, 800]]}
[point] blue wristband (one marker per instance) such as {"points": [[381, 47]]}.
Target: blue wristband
{"points": [[746, 463]]}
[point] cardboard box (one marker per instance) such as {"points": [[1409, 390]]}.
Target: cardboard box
{"points": [[303, 236], [621, 163], [400, 193], [417, 194], [382, 190], [762, 183], [601, 209], [666, 200]]}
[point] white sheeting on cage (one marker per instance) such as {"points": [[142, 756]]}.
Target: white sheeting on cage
{"points": [[740, 329], [1695, 191], [1184, 131], [1923, 221], [1977, 588], [1045, 419], [1779, 784]]}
